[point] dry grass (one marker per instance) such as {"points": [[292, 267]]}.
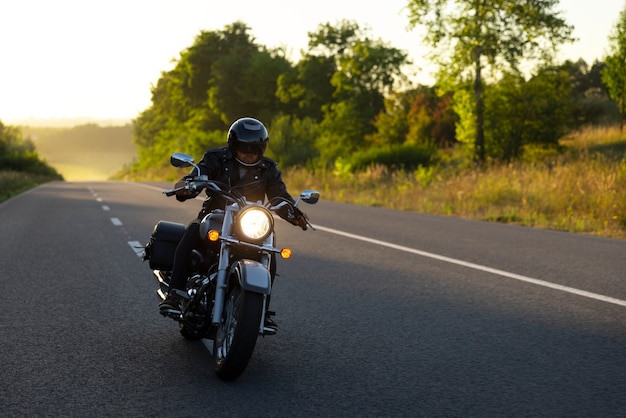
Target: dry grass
{"points": [[16, 182], [582, 190]]}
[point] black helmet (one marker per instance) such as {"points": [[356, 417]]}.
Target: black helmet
{"points": [[248, 133]]}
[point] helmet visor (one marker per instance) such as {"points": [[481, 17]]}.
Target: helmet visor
{"points": [[252, 149]]}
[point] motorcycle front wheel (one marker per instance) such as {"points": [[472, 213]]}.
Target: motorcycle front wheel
{"points": [[237, 334]]}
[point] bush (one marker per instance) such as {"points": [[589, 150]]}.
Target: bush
{"points": [[27, 162], [399, 157]]}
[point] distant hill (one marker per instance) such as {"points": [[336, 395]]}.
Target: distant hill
{"points": [[85, 152], [65, 122]]}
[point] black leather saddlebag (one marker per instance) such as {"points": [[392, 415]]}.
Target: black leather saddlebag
{"points": [[163, 241]]}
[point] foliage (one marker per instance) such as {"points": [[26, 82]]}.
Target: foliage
{"points": [[20, 165], [328, 100], [365, 71], [589, 97], [396, 157], [416, 116], [224, 75], [19, 154], [473, 35], [306, 88], [347, 104], [580, 189], [292, 141], [614, 74], [521, 113], [15, 182], [28, 162], [12, 142]]}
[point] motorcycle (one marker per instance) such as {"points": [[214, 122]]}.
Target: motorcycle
{"points": [[229, 287]]}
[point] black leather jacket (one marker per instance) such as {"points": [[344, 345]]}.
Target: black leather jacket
{"points": [[261, 181]]}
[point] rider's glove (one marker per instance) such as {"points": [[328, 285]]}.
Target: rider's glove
{"points": [[298, 218], [183, 194]]}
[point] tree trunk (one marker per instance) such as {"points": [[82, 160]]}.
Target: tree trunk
{"points": [[480, 109], [622, 113]]}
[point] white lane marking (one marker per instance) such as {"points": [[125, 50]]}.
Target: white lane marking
{"points": [[99, 199], [116, 222], [503, 273], [137, 247], [105, 208]]}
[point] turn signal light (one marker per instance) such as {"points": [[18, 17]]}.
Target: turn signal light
{"points": [[285, 253], [213, 235]]}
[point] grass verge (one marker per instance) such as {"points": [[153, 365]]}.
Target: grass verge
{"points": [[581, 189], [16, 182]]}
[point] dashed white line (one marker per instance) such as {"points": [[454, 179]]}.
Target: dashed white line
{"points": [[116, 222], [106, 208]]}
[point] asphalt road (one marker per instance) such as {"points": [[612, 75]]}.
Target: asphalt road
{"points": [[381, 313]]}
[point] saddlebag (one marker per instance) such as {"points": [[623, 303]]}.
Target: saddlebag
{"points": [[160, 250]]}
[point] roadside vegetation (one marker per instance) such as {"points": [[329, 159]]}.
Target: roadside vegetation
{"points": [[542, 147], [21, 168], [580, 189], [485, 141]]}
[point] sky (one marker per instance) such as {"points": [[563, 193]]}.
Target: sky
{"points": [[99, 58]]}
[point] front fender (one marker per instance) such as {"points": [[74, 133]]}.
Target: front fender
{"points": [[252, 276]]}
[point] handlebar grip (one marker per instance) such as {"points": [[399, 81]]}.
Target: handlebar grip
{"points": [[169, 193]]}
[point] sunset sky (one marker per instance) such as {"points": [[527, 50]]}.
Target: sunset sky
{"points": [[77, 58]]}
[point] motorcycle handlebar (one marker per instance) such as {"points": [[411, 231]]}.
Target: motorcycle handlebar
{"points": [[172, 192], [193, 186], [198, 185]]}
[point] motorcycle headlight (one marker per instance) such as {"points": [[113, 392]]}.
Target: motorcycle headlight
{"points": [[255, 223]]}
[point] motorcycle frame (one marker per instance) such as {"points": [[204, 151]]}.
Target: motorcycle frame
{"points": [[255, 276]]}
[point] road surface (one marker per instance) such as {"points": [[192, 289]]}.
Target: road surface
{"points": [[380, 313]]}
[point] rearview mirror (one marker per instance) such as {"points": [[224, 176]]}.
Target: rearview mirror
{"points": [[310, 196], [179, 159]]}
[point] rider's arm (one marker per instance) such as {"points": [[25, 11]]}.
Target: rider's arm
{"points": [[276, 188], [208, 166]]}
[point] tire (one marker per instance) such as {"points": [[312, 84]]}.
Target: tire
{"points": [[237, 334]]}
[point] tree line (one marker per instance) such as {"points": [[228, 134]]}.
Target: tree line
{"points": [[18, 153], [347, 102]]}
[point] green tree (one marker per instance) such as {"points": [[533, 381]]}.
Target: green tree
{"points": [[19, 154], [366, 70], [521, 113], [591, 104], [12, 142], [243, 79], [224, 75], [392, 124], [416, 116], [293, 140], [614, 74], [472, 36], [306, 88]]}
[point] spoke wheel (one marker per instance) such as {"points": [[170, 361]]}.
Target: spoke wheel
{"points": [[237, 334]]}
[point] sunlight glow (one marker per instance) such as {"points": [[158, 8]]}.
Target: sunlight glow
{"points": [[99, 59]]}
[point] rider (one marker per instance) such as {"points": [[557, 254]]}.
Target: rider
{"points": [[242, 166]]}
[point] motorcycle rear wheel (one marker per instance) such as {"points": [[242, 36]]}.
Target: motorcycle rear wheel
{"points": [[236, 337]]}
